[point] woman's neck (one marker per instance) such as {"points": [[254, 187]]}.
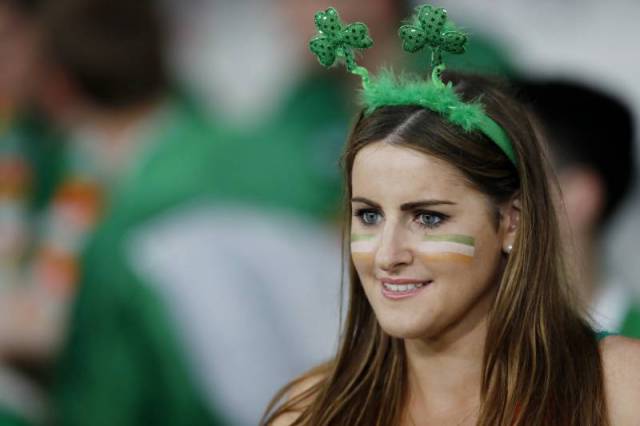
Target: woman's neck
{"points": [[445, 375]]}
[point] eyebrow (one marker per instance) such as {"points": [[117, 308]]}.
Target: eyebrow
{"points": [[406, 206]]}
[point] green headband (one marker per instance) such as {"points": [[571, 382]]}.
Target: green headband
{"points": [[431, 28]]}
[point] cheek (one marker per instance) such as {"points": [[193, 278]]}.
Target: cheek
{"points": [[473, 263]]}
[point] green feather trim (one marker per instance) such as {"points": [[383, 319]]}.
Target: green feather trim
{"points": [[388, 89]]}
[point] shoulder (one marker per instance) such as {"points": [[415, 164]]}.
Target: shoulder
{"points": [[298, 398], [621, 365]]}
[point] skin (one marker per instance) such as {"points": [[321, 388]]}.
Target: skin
{"points": [[444, 324]]}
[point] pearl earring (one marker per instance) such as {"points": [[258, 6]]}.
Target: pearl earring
{"points": [[508, 249]]}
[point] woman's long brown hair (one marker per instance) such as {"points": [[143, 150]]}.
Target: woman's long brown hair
{"points": [[541, 364]]}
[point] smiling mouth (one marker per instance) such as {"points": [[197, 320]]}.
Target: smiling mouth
{"points": [[401, 291]]}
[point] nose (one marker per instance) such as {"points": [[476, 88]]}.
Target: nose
{"points": [[394, 250]]}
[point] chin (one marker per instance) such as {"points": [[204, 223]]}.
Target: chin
{"points": [[408, 328]]}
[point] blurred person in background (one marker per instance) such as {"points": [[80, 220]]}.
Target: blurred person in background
{"points": [[591, 137], [136, 149], [29, 167]]}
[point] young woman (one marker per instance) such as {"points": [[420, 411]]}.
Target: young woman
{"points": [[460, 310]]}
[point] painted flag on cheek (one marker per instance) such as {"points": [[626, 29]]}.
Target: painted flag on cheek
{"points": [[453, 247], [362, 245]]}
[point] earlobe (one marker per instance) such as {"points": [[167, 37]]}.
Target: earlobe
{"points": [[511, 218]]}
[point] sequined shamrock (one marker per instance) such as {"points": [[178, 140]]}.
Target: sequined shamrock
{"points": [[336, 40], [432, 28]]}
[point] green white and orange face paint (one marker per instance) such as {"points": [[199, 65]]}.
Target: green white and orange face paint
{"points": [[455, 248], [363, 245], [447, 248]]}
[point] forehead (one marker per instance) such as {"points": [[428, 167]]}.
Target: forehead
{"points": [[403, 173]]}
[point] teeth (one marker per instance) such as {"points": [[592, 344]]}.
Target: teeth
{"points": [[402, 288]]}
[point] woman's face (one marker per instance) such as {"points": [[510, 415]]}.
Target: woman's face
{"points": [[426, 245]]}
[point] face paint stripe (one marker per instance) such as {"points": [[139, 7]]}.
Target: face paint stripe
{"points": [[462, 239], [362, 256], [446, 247], [361, 237], [447, 257], [362, 246]]}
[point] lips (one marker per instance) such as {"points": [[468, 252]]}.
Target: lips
{"points": [[401, 288]]}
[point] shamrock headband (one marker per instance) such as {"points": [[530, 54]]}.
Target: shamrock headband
{"points": [[430, 27]]}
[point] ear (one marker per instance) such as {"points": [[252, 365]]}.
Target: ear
{"points": [[509, 223]]}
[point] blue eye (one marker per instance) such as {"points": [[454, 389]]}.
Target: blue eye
{"points": [[368, 217], [429, 219]]}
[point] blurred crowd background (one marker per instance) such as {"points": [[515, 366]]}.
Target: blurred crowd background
{"points": [[170, 190]]}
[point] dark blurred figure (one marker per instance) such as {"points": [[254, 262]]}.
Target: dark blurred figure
{"points": [[591, 138], [136, 149]]}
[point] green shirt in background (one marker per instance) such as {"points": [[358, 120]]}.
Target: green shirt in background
{"points": [[123, 363], [298, 149], [631, 324]]}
